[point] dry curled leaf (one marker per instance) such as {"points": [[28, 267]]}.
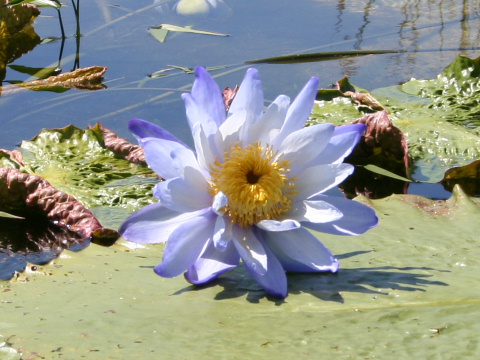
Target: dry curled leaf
{"points": [[120, 146], [382, 144], [89, 78], [24, 193]]}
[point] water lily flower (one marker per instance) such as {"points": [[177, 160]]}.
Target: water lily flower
{"points": [[254, 184]]}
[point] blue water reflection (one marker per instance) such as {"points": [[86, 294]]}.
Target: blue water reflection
{"points": [[115, 34]]}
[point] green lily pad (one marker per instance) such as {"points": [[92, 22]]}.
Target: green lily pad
{"points": [[404, 288], [76, 162], [439, 117]]}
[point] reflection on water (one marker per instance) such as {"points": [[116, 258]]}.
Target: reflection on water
{"points": [[34, 240], [114, 34], [211, 8]]}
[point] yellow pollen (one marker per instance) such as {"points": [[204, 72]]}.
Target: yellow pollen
{"points": [[255, 183]]}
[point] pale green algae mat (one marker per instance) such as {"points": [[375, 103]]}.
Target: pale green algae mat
{"points": [[407, 288]]}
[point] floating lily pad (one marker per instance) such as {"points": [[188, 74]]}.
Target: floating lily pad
{"points": [[76, 162], [437, 117], [404, 288]]}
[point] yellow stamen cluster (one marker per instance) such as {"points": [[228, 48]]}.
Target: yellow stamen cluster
{"points": [[255, 183]]}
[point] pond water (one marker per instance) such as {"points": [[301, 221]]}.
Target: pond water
{"points": [[115, 34]]}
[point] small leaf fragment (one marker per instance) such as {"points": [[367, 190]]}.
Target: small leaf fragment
{"points": [[160, 32]]}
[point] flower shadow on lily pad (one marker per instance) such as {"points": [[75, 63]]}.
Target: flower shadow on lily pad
{"points": [[378, 281]]}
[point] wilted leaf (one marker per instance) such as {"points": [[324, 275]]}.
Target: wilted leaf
{"points": [[88, 78], [23, 194], [13, 156], [382, 144]]}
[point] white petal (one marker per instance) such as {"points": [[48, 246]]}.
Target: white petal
{"points": [[180, 195], [154, 223], [343, 141], [357, 218], [249, 98], [212, 263], [300, 147], [205, 147], [300, 251], [219, 204], [275, 225], [222, 233], [317, 179], [317, 211], [300, 109], [186, 244], [250, 249], [229, 132], [266, 129], [274, 281], [159, 155]]}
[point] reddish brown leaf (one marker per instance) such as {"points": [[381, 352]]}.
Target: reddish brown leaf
{"points": [[20, 192], [120, 146], [13, 155], [382, 144]]}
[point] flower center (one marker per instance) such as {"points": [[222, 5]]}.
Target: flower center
{"points": [[254, 182]]}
